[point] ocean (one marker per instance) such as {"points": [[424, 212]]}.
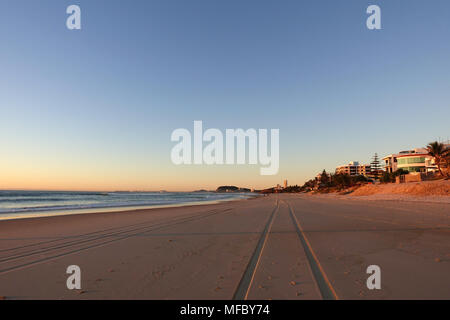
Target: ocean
{"points": [[17, 204]]}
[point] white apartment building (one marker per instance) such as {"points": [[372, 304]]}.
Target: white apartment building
{"points": [[415, 160], [353, 168]]}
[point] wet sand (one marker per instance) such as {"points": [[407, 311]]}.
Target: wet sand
{"points": [[276, 247]]}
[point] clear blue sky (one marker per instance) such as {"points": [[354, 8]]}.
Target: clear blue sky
{"points": [[94, 108]]}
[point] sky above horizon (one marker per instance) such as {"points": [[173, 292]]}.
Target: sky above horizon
{"points": [[93, 109]]}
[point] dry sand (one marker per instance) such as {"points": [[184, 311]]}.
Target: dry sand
{"points": [[426, 191], [276, 247], [424, 188]]}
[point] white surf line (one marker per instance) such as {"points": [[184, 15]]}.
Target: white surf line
{"points": [[326, 289], [245, 284]]}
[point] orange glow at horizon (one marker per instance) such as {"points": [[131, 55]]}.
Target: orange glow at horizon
{"points": [[176, 179]]}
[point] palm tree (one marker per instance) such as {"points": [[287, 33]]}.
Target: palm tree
{"points": [[437, 150], [447, 159]]}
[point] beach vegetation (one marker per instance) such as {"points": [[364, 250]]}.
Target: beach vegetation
{"points": [[375, 166], [441, 155], [390, 177]]}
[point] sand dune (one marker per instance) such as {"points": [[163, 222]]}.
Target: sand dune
{"points": [[424, 188]]}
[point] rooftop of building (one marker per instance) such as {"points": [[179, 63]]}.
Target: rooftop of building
{"points": [[406, 153], [353, 164]]}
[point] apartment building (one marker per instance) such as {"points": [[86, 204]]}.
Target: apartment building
{"points": [[353, 168]]}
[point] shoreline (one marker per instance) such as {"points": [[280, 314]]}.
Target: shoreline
{"points": [[117, 209]]}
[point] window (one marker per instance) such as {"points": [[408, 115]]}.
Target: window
{"points": [[411, 160]]}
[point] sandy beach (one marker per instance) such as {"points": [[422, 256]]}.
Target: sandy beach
{"points": [[287, 246]]}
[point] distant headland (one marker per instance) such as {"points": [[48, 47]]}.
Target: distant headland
{"points": [[232, 189]]}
